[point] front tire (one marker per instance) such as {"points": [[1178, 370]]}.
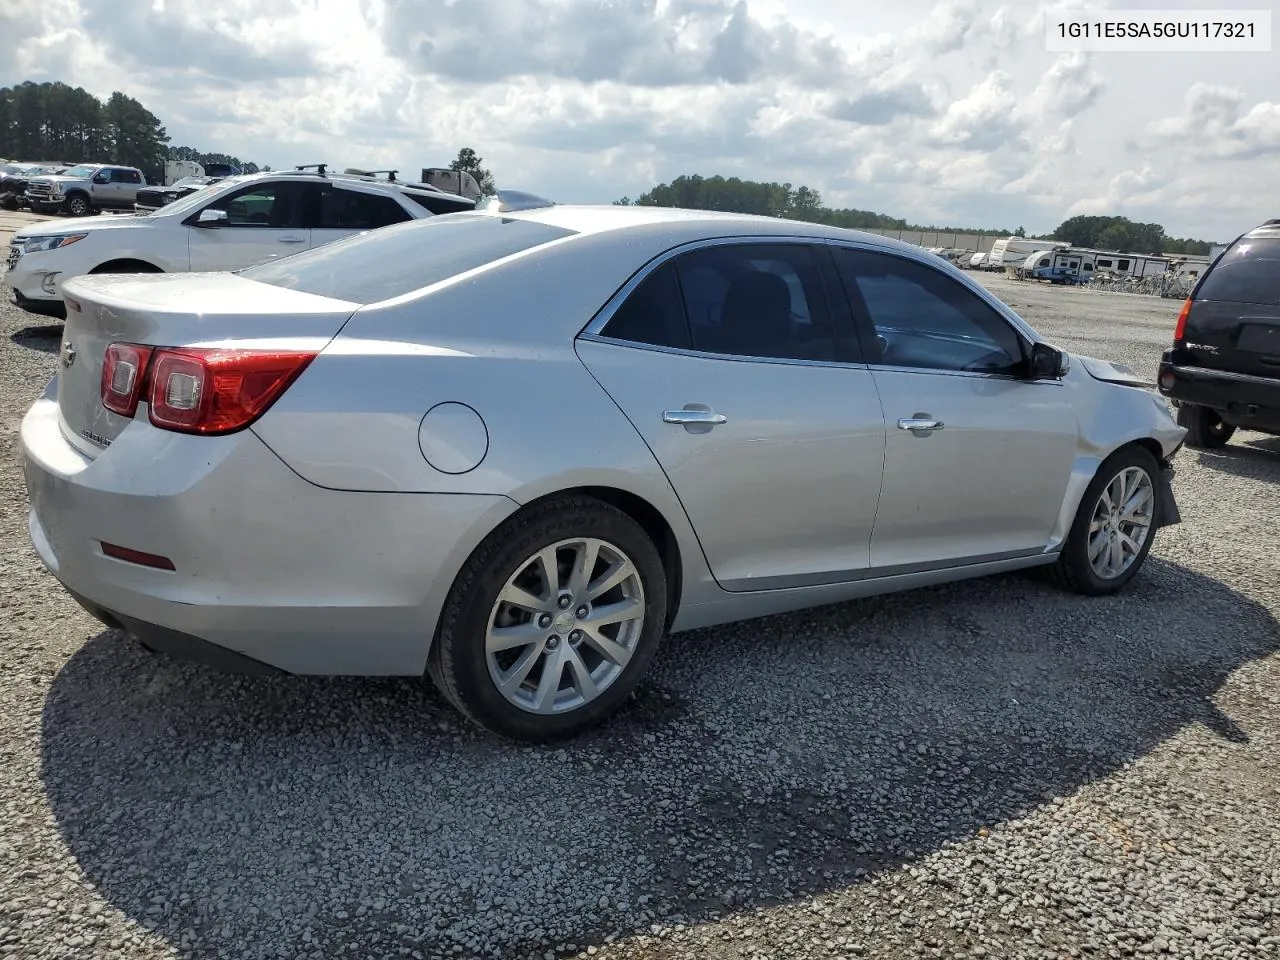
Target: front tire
{"points": [[78, 205], [552, 622], [1114, 526], [1205, 429]]}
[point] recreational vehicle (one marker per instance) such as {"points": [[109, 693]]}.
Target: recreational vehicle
{"points": [[1014, 250]]}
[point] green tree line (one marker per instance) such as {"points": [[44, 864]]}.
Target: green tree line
{"points": [[1123, 234], [64, 124], [735, 195]]}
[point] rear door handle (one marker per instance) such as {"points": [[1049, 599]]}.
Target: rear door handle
{"points": [[293, 239], [709, 417], [917, 423]]}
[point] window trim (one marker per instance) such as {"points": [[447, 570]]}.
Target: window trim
{"points": [[593, 330], [228, 196], [1025, 335]]}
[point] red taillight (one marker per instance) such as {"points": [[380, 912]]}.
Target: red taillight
{"points": [[218, 391], [1181, 329], [197, 390], [123, 374]]}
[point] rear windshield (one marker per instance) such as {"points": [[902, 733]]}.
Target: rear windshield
{"points": [[1249, 272], [396, 260]]}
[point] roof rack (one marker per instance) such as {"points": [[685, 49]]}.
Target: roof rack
{"points": [[508, 201], [317, 167], [372, 174]]}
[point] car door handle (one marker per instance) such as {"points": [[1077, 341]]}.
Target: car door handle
{"points": [[293, 239], [919, 423], [709, 417]]}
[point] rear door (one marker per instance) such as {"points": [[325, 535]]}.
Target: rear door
{"points": [[746, 384], [1234, 321], [262, 224]]}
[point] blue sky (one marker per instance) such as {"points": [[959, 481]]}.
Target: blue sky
{"points": [[937, 112]]}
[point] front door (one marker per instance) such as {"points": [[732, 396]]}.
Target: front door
{"points": [[977, 458], [727, 361], [262, 224]]}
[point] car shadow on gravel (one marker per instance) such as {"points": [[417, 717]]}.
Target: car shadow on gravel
{"points": [[47, 338], [761, 762], [1253, 456]]}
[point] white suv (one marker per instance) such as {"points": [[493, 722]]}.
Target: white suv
{"points": [[227, 225]]}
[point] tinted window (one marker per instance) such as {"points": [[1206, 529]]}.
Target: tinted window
{"points": [[652, 313], [349, 210], [1247, 273], [265, 205], [381, 264], [440, 204], [756, 300], [923, 318], [125, 176]]}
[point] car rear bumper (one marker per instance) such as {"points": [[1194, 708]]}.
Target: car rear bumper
{"points": [[1239, 398], [268, 568]]}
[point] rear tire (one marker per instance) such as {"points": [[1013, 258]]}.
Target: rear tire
{"points": [[1205, 428], [1098, 529], [492, 629]]}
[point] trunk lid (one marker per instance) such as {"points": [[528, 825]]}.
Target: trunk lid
{"points": [[1234, 320], [188, 310]]}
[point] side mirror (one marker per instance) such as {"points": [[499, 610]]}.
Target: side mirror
{"points": [[1048, 362], [211, 218]]}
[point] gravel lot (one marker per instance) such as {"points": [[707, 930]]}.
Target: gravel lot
{"points": [[990, 769]]}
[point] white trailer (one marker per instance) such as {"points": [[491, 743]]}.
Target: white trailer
{"points": [[457, 182], [1013, 251], [175, 170]]}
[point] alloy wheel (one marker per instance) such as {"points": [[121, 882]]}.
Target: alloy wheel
{"points": [[565, 625], [1121, 522]]}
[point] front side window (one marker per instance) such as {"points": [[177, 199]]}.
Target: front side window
{"points": [[925, 319], [266, 205]]}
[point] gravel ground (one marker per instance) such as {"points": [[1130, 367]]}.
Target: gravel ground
{"points": [[987, 769]]}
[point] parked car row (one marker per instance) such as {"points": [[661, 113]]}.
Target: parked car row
{"points": [[14, 177]]}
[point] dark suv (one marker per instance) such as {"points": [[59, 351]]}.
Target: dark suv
{"points": [[1223, 371]]}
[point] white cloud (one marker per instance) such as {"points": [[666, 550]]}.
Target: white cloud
{"points": [[930, 111]]}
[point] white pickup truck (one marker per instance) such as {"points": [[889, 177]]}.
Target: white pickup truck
{"points": [[85, 189], [226, 225]]}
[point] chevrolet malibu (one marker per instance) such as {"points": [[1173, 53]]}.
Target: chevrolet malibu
{"points": [[513, 448]]}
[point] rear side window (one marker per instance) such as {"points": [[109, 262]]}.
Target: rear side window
{"points": [[1247, 273], [400, 259], [653, 313], [352, 210]]}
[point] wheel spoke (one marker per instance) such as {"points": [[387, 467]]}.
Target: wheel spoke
{"points": [[508, 638], [615, 575], [1132, 544], [522, 598], [516, 675], [549, 683], [627, 609], [584, 563], [1138, 500], [1096, 546], [611, 650], [579, 675], [1115, 559], [550, 572]]}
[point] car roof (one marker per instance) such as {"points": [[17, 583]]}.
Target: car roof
{"points": [[355, 181], [590, 218]]}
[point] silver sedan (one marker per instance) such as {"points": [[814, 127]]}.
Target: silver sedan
{"points": [[514, 448]]}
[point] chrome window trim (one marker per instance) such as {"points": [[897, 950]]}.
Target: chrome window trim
{"points": [[592, 332]]}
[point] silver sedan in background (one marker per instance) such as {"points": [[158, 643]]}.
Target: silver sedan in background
{"points": [[514, 448]]}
